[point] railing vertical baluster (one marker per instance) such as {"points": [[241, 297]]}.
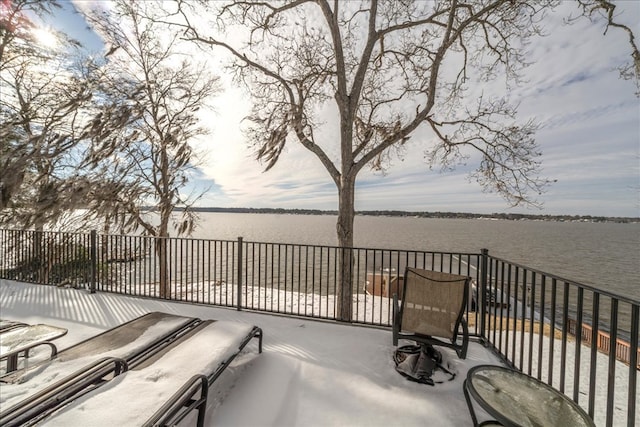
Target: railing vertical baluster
{"points": [[594, 352], [299, 281], [202, 281], [532, 312], [270, 249], [190, 261], [128, 256], [306, 276], [501, 303], [15, 254], [262, 272], [633, 365], [482, 293], [110, 266], [210, 282], [565, 330], [611, 385], [543, 285], [144, 263], [248, 274], [525, 301], [507, 330], [578, 346], [323, 274], [224, 273], [281, 258], [94, 260], [256, 259], [137, 264], [552, 324], [344, 269], [493, 287], [286, 268], [64, 253], [239, 275], [183, 278], [216, 258], [515, 316]]}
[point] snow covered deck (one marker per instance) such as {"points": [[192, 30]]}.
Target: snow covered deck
{"points": [[311, 373]]}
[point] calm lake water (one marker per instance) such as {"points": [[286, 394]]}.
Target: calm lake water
{"points": [[604, 255]]}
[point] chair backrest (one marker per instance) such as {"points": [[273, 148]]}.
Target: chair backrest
{"points": [[433, 302]]}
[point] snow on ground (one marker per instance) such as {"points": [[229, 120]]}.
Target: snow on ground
{"points": [[311, 373], [366, 308]]}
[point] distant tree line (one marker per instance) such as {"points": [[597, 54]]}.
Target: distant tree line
{"points": [[423, 214]]}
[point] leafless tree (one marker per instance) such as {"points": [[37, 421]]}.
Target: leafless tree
{"points": [[388, 68], [149, 162], [598, 10]]}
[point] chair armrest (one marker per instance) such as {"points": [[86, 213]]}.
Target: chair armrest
{"points": [[12, 357]]}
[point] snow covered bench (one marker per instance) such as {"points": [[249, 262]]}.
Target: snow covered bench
{"points": [[165, 388], [6, 325], [38, 389], [20, 340]]}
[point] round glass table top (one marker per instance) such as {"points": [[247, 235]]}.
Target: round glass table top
{"points": [[517, 399]]}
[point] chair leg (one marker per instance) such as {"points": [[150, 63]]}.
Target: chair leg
{"points": [[465, 339]]}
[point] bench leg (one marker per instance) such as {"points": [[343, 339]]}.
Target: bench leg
{"points": [[202, 408], [12, 363]]}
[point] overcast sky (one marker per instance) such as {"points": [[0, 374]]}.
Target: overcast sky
{"points": [[590, 139]]}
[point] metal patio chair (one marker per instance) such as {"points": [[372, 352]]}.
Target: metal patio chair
{"points": [[431, 310]]}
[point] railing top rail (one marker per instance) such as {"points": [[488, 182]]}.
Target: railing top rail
{"points": [[359, 248], [461, 253], [604, 292], [72, 233], [194, 239]]}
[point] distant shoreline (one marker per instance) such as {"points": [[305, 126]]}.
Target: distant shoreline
{"points": [[454, 215]]}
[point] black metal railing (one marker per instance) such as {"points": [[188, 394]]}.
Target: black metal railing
{"points": [[275, 277], [573, 336], [576, 338]]}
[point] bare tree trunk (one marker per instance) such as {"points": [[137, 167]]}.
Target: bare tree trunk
{"points": [[344, 291], [41, 261], [163, 229], [163, 262]]}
